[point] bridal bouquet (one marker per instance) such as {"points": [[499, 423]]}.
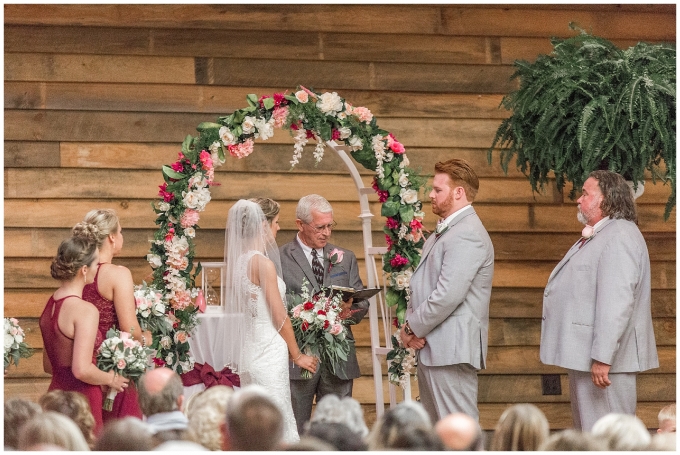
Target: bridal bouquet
{"points": [[320, 327], [151, 309], [125, 356], [402, 363], [15, 346]]}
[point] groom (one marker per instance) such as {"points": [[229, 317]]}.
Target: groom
{"points": [[307, 256], [448, 315]]}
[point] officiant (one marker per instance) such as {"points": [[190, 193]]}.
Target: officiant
{"points": [[309, 256]]}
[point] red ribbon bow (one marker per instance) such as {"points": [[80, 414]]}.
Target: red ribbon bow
{"points": [[206, 374]]}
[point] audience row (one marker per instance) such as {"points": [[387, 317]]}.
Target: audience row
{"points": [[220, 418]]}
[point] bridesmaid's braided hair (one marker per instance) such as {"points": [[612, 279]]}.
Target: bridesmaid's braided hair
{"points": [[106, 221], [75, 252]]}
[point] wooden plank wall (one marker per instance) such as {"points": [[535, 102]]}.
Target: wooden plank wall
{"points": [[97, 98]]}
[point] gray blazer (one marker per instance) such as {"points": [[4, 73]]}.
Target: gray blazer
{"points": [[450, 294], [346, 273], [597, 304]]}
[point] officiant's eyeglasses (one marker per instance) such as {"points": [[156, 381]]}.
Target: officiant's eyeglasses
{"points": [[320, 229]]}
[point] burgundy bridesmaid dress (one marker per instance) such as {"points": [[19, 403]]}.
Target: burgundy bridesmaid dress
{"points": [[59, 349], [125, 403]]}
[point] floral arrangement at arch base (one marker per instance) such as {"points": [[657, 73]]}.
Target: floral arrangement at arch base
{"points": [[308, 116], [15, 345]]}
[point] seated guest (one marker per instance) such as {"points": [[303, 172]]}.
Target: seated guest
{"points": [[17, 412], [128, 434], [178, 446], [572, 441], [161, 399], [54, 429], [459, 431], [346, 410], [667, 419], [622, 432], [206, 412], [336, 434], [522, 427], [407, 414], [253, 421], [73, 405], [308, 444], [416, 439]]}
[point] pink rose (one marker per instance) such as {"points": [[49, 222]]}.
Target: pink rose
{"points": [[14, 320], [297, 310], [302, 96], [121, 364], [363, 113], [189, 218], [206, 159], [128, 342], [242, 150], [336, 256], [336, 329], [181, 337], [280, 114], [587, 232]]}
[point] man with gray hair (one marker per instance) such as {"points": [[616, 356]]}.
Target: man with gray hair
{"points": [[253, 421], [161, 399], [309, 256]]}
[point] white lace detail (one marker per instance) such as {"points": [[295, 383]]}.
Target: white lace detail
{"points": [[266, 353]]}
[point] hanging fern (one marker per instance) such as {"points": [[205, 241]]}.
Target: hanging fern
{"points": [[589, 105]]}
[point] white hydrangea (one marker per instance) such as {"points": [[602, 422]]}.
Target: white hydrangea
{"points": [[329, 103]]}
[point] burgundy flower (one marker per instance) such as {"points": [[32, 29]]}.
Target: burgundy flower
{"points": [[310, 134], [279, 99], [304, 326], [308, 306], [167, 197], [395, 322], [392, 223], [326, 324], [398, 260], [335, 134], [177, 166], [321, 313], [158, 362]]}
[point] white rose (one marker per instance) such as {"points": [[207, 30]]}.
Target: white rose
{"points": [[344, 132], [403, 180], [169, 359], [265, 130], [329, 103], [158, 309], [356, 143], [9, 341], [154, 260], [190, 199], [197, 181], [226, 136], [172, 219], [163, 206], [341, 116], [186, 366], [190, 232], [404, 162], [308, 316], [248, 125], [408, 196], [389, 156]]}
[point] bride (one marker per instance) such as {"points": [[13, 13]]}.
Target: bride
{"points": [[255, 288]]}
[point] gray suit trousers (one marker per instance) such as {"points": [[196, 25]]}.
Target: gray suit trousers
{"points": [[447, 389], [589, 402]]}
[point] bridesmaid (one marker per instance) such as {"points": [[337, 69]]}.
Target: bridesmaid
{"points": [[112, 292], [69, 326]]}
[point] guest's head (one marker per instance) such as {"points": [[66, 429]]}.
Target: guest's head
{"points": [[606, 193], [51, 428], [346, 410], [206, 412], [459, 431], [572, 441], [522, 427], [416, 439], [387, 430], [77, 256], [128, 434], [160, 390], [336, 434], [662, 442], [314, 220], [622, 432], [253, 421], [271, 209], [667, 419], [73, 405], [17, 412], [108, 225], [455, 185], [307, 444]]}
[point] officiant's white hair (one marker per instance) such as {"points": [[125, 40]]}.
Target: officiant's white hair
{"points": [[310, 203]]}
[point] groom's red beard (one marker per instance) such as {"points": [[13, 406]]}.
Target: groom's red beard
{"points": [[441, 210]]}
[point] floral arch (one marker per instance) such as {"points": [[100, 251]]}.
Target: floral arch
{"points": [[186, 192]]}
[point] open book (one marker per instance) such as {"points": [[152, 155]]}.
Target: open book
{"points": [[348, 293]]}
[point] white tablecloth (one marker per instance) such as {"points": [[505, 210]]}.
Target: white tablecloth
{"points": [[209, 341]]}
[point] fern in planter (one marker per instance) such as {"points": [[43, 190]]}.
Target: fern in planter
{"points": [[589, 105]]}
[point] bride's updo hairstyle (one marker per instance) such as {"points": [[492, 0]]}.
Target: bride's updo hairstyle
{"points": [[269, 207], [106, 221], [75, 252]]}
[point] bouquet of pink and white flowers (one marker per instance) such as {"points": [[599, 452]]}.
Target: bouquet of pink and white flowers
{"points": [[15, 346], [151, 309], [320, 328], [125, 356]]}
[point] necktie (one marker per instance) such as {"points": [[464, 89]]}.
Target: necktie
{"points": [[582, 242], [317, 268]]}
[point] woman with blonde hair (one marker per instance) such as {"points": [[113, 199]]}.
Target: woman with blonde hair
{"points": [[51, 429], [206, 412], [73, 405], [68, 325], [271, 209], [112, 292], [522, 427]]}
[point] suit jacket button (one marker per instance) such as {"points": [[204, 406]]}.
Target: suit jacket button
{"points": [[544, 318]]}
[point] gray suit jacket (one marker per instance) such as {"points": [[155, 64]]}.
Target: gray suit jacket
{"points": [[597, 304], [450, 294], [346, 273]]}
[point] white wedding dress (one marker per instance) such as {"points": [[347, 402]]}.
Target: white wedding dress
{"points": [[265, 356]]}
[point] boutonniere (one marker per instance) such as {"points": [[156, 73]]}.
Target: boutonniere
{"points": [[335, 257], [587, 232], [441, 228]]}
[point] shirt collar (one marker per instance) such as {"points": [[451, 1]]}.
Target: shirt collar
{"points": [[450, 218], [307, 249]]}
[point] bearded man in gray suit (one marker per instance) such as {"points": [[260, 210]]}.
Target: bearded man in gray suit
{"points": [[315, 223], [448, 314], [597, 320]]}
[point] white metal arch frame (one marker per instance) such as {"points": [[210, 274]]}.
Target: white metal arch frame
{"points": [[370, 253]]}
